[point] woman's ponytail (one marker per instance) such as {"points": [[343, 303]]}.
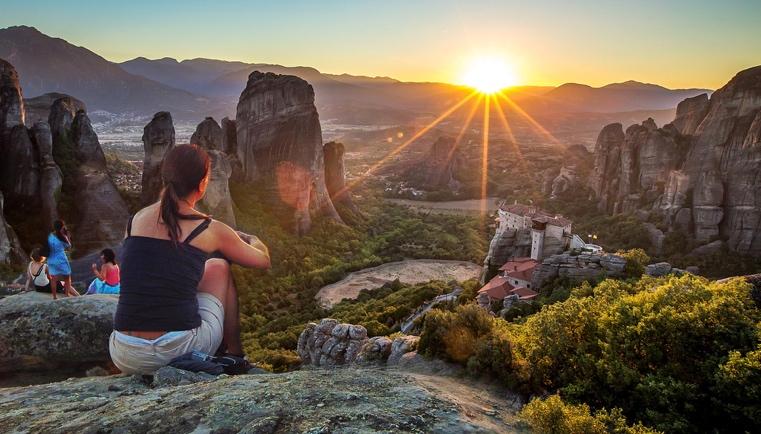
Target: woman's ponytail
{"points": [[183, 170]]}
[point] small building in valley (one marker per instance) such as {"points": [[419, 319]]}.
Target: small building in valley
{"points": [[519, 271], [499, 288]]}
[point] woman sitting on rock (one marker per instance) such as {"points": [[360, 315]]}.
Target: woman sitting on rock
{"points": [[175, 298], [37, 273], [107, 278], [58, 263]]}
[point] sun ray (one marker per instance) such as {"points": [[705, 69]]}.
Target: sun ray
{"points": [[485, 158], [409, 141], [536, 125], [506, 124], [464, 128]]}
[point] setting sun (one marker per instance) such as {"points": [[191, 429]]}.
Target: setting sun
{"points": [[489, 74]]}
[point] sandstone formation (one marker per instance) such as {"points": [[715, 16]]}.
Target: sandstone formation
{"points": [[217, 200], [10, 247], [158, 139], [566, 179], [699, 174], [330, 343], [208, 135], [441, 166], [358, 400], [101, 214], [578, 268], [11, 98], [62, 114], [279, 145], [38, 333], [38, 108], [514, 243], [51, 178], [335, 174], [229, 136]]}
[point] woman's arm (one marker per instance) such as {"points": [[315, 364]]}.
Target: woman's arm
{"points": [[234, 248], [101, 273], [28, 283]]}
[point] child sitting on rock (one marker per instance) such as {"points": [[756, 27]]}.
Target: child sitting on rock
{"points": [[107, 278]]}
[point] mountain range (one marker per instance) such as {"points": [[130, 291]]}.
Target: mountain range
{"points": [[192, 89]]}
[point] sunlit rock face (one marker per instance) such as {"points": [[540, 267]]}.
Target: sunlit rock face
{"points": [[217, 200], [158, 139], [279, 145], [699, 173], [335, 174]]}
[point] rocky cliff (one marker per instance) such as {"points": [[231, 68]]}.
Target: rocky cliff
{"points": [[217, 200], [158, 139], [279, 145], [699, 173], [335, 174]]}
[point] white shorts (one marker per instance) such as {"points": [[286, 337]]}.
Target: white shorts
{"points": [[133, 355]]}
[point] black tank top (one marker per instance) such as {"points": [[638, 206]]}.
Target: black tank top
{"points": [[159, 283]]}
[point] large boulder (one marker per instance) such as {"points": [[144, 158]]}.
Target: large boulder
{"points": [[39, 333], [62, 114], [359, 400], [330, 343], [158, 139], [279, 145], [208, 135]]}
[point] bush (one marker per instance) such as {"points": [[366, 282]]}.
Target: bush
{"points": [[636, 261], [553, 416]]}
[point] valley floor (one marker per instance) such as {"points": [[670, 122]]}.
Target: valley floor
{"points": [[409, 271]]}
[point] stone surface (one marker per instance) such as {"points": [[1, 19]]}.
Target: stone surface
{"points": [[19, 168], [158, 139], [62, 114], [700, 172], [335, 174], [656, 237], [39, 333], [711, 248], [51, 178], [279, 145], [401, 346], [101, 211], [375, 351], [217, 200], [11, 98], [366, 400], [10, 247], [658, 269], [330, 343], [578, 268], [566, 179]]}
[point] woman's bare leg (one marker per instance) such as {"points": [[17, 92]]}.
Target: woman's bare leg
{"points": [[217, 280], [68, 288], [54, 285]]}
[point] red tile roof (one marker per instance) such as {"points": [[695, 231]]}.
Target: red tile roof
{"points": [[537, 214], [520, 268], [524, 293], [497, 288]]}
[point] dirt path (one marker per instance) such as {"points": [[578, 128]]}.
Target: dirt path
{"points": [[410, 271]]}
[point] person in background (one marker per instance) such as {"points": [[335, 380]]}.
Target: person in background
{"points": [[58, 263], [107, 278], [37, 273], [175, 298]]}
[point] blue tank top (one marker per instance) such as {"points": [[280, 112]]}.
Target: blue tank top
{"points": [[159, 283]]}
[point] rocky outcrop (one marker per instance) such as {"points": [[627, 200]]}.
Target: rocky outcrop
{"points": [[566, 179], [51, 178], [578, 268], [11, 98], [38, 333], [158, 139], [10, 247], [330, 343], [690, 113], [335, 174], [507, 243], [358, 400], [279, 145], [208, 135], [441, 165], [38, 109], [217, 200], [698, 173], [19, 179], [62, 114], [401, 346], [229, 136], [101, 211]]}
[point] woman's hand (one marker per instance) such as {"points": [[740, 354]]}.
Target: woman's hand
{"points": [[245, 237]]}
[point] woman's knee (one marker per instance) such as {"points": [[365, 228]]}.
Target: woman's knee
{"points": [[216, 276]]}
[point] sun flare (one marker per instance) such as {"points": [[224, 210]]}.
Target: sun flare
{"points": [[489, 74]]}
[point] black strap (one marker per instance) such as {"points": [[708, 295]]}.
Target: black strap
{"points": [[129, 225], [200, 228]]}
